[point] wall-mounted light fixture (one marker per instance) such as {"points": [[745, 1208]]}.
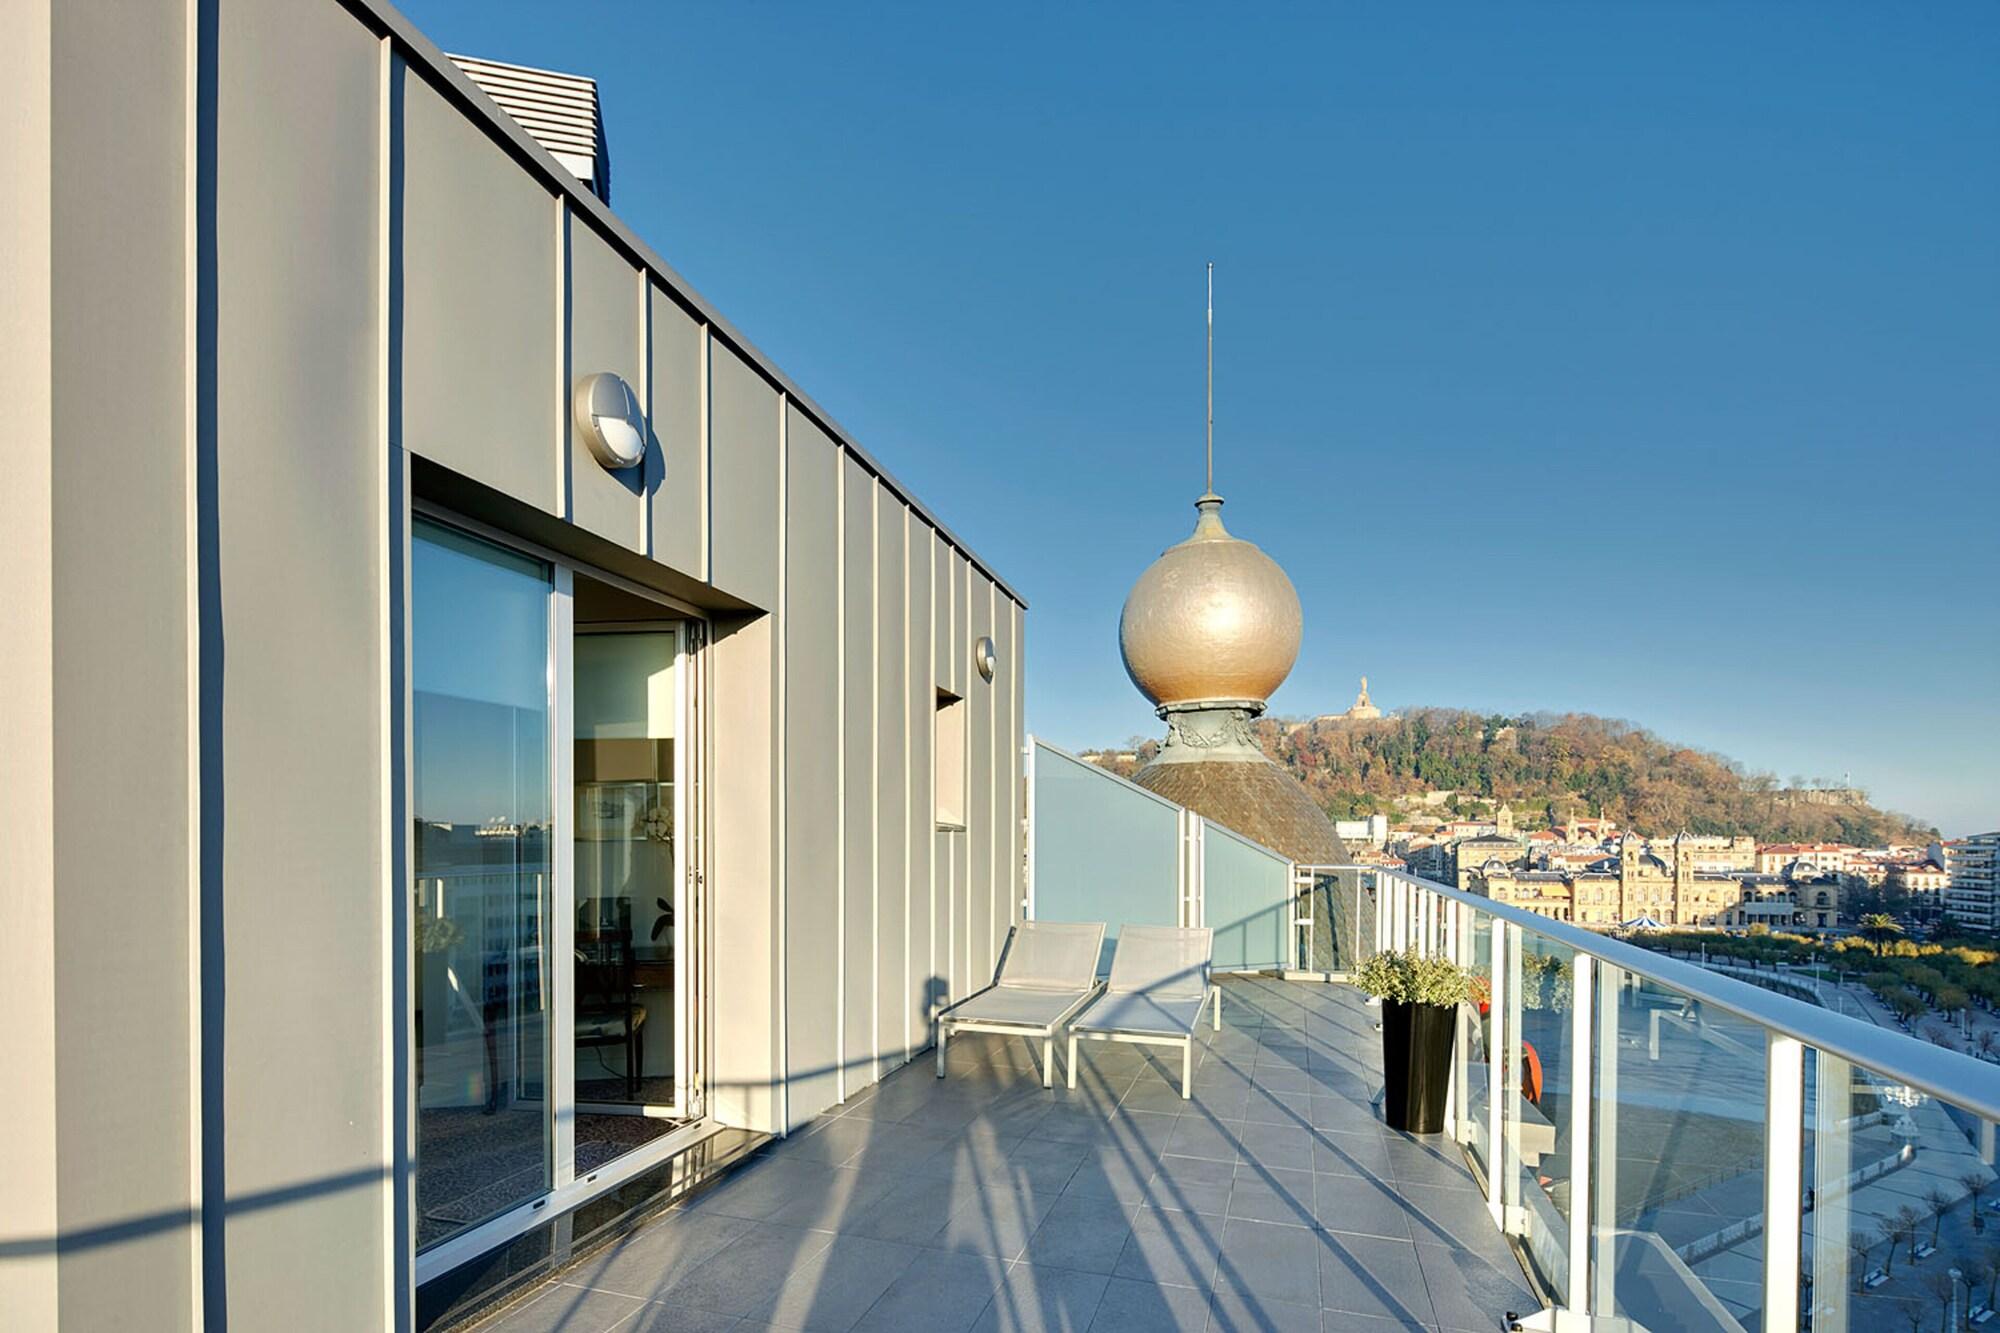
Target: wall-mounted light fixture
{"points": [[609, 420], [984, 657]]}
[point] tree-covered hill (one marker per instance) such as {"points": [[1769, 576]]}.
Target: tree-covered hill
{"points": [[1548, 767]]}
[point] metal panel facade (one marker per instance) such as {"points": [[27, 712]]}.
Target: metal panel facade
{"points": [[925, 914], [982, 901], [480, 374], [100, 901], [811, 721], [606, 297], [859, 740], [677, 456], [295, 795], [895, 979], [743, 479], [394, 283]]}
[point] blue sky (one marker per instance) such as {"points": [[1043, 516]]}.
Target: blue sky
{"points": [[1642, 360]]}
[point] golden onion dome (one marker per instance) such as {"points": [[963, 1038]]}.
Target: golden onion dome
{"points": [[1213, 620]]}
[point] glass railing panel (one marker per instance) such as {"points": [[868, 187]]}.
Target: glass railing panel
{"points": [[1478, 1084], [1678, 1129], [1342, 931], [1901, 1221], [1544, 1088]]}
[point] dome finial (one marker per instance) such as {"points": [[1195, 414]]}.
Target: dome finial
{"points": [[1208, 492]]}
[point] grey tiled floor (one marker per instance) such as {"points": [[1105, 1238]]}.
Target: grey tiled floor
{"points": [[1273, 1200]]}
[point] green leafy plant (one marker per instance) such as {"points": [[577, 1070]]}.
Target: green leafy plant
{"points": [[1410, 978]]}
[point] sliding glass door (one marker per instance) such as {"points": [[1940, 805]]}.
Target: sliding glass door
{"points": [[481, 802], [550, 969], [628, 1009]]}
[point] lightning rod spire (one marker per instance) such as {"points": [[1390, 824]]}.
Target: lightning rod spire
{"points": [[1211, 378]]}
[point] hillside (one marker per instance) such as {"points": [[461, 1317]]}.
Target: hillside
{"points": [[1548, 767]]}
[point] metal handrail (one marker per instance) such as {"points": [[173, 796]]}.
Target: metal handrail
{"points": [[1945, 1074]]}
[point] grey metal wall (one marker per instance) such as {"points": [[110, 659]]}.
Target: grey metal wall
{"points": [[97, 726], [293, 274]]}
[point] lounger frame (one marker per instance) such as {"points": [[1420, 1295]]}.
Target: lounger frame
{"points": [[947, 1025], [1212, 1002], [1047, 1032]]}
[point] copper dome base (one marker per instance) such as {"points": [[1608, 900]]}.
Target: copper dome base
{"points": [[1255, 798]]}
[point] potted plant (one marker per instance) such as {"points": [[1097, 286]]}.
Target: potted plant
{"points": [[1420, 998]]}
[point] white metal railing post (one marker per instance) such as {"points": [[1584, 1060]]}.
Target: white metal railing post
{"points": [[1453, 1081], [1463, 924], [1516, 1068], [1496, 1074], [1784, 1065], [1028, 837], [1382, 883], [1603, 1184], [1832, 1221], [1583, 1031], [1430, 922]]}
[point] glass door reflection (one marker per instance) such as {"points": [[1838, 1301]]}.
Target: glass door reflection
{"points": [[627, 1011], [483, 886]]}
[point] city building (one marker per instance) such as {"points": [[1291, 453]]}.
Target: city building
{"points": [[477, 731], [1925, 881], [1972, 867], [1471, 855], [1371, 831], [1717, 853], [1778, 858], [1640, 885]]}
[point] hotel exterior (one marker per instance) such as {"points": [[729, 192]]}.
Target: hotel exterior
{"points": [[475, 732]]}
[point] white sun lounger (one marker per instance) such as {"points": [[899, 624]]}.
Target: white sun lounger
{"points": [[1159, 983], [1047, 973]]}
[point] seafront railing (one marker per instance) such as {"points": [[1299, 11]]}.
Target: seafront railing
{"points": [[1686, 1150]]}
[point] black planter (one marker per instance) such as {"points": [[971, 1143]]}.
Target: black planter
{"points": [[1416, 1064]]}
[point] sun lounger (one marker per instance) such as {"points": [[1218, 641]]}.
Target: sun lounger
{"points": [[1159, 985], [1047, 973]]}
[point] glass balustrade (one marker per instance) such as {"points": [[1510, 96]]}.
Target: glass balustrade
{"points": [[1676, 1148]]}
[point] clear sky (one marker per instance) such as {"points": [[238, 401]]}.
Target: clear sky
{"points": [[1641, 360]]}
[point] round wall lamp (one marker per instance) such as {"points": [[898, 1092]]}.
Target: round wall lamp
{"points": [[984, 658], [609, 420]]}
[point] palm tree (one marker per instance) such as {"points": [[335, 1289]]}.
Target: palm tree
{"points": [[1878, 928]]}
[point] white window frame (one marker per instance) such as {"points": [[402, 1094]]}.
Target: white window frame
{"points": [[566, 1191]]}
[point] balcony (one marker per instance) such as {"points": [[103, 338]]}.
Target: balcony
{"points": [[1273, 1199], [1629, 1138]]}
